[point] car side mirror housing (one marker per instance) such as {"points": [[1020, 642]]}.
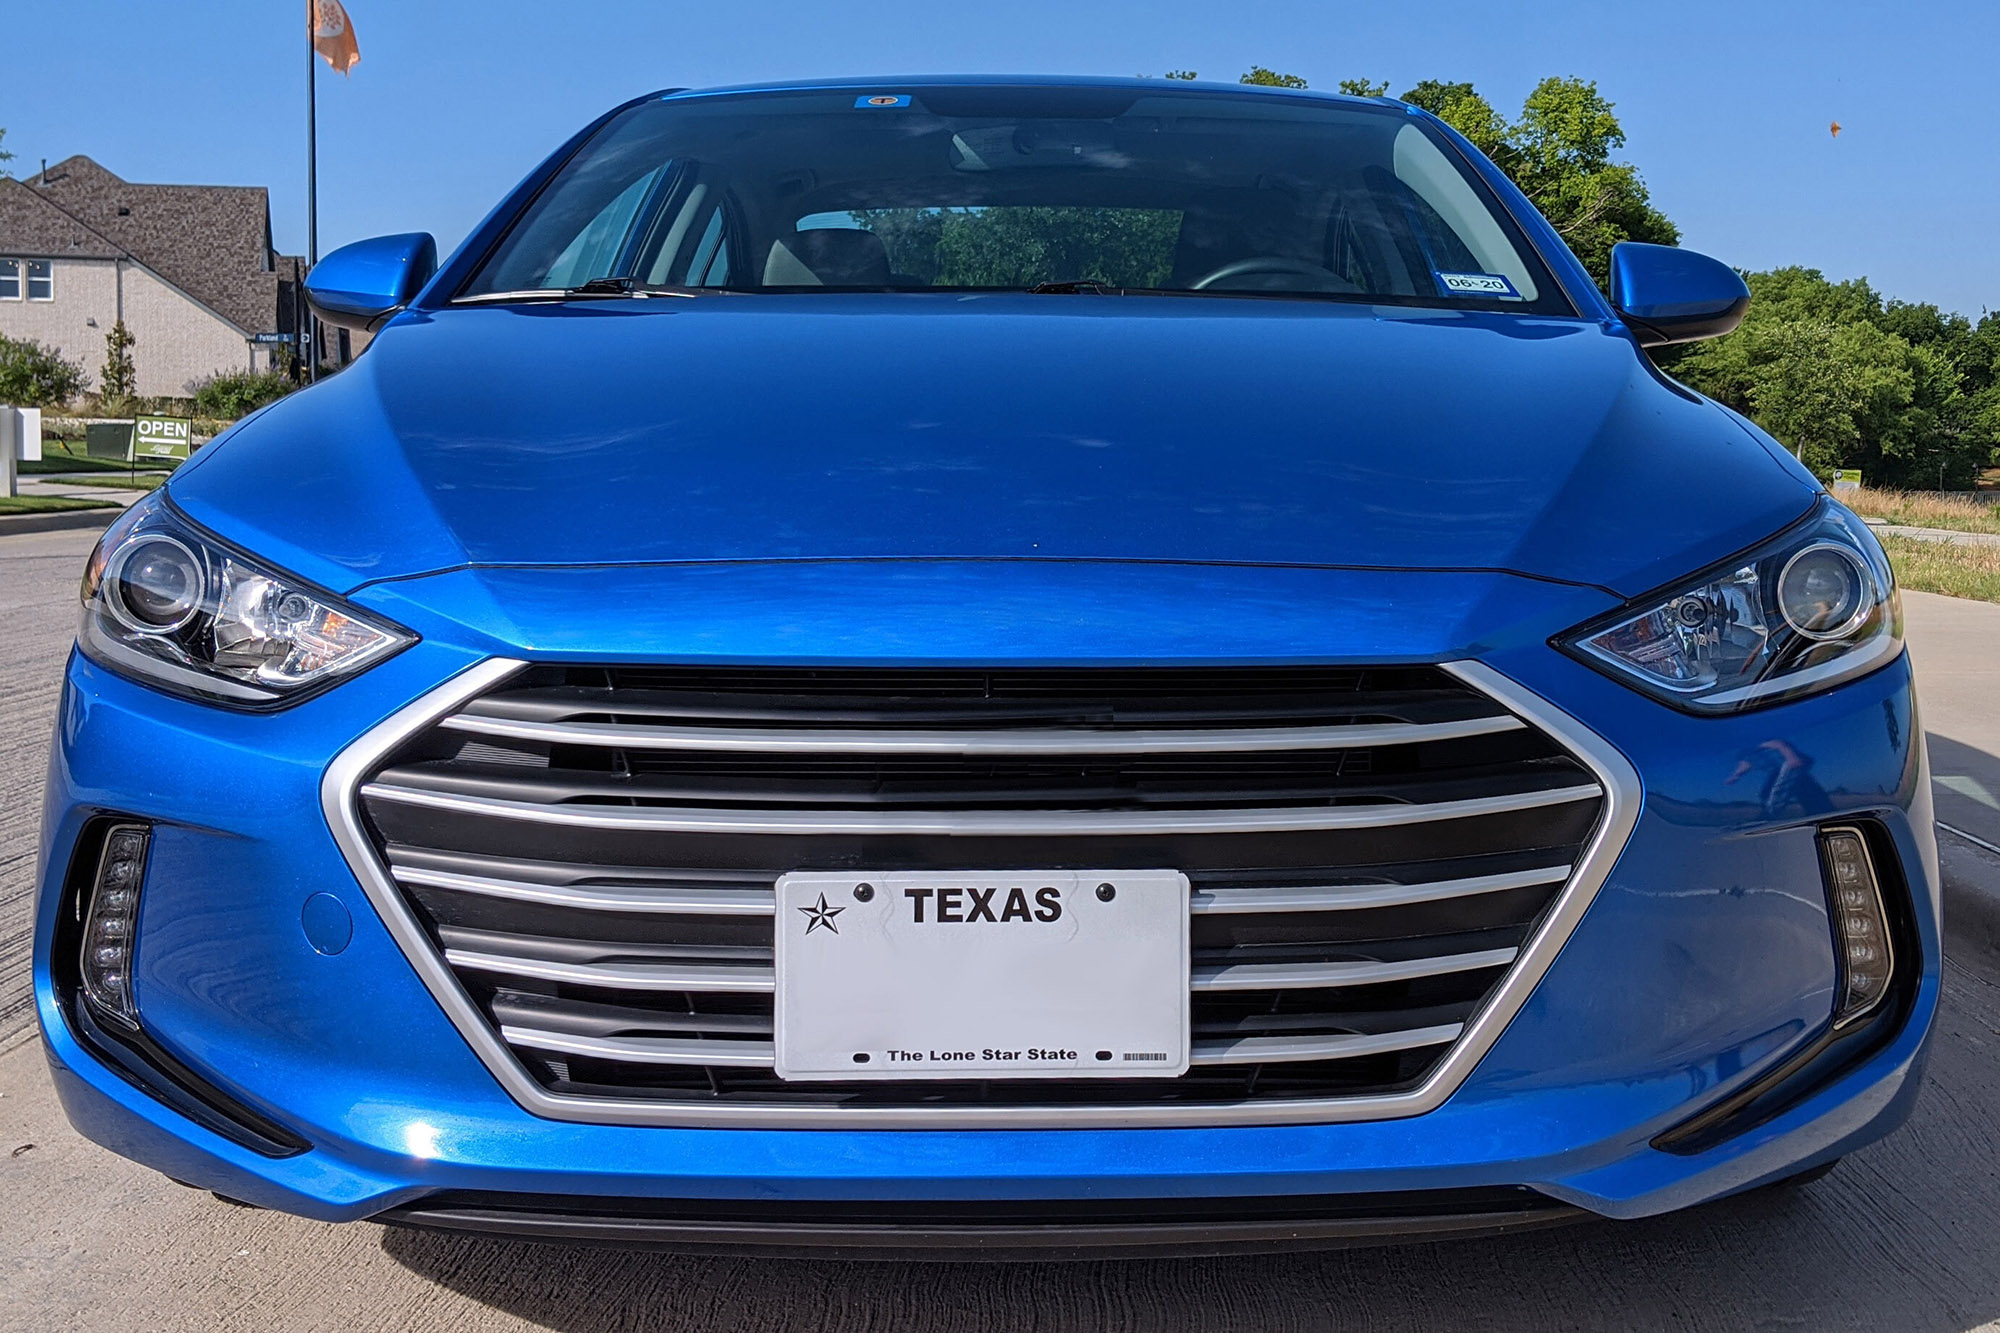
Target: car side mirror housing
{"points": [[1669, 295], [359, 286]]}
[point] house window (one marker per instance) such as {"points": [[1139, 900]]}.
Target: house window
{"points": [[10, 279], [41, 280]]}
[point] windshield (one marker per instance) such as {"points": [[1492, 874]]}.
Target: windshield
{"points": [[984, 188]]}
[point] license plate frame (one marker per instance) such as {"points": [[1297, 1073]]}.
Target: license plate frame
{"points": [[1050, 974]]}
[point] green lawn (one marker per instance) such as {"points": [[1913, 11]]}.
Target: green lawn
{"points": [[68, 456], [49, 504], [141, 481]]}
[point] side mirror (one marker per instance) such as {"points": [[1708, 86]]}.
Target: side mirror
{"points": [[360, 285], [1669, 295]]}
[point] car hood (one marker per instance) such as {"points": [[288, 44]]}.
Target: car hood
{"points": [[993, 427]]}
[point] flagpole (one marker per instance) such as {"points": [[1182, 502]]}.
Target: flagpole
{"points": [[308, 345]]}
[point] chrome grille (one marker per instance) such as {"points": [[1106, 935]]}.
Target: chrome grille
{"points": [[585, 858]]}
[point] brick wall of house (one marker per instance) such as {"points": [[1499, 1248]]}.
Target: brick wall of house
{"points": [[84, 289], [179, 342]]}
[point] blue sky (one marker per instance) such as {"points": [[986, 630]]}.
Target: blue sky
{"points": [[1726, 104]]}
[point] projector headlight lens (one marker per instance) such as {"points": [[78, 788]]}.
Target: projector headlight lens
{"points": [[1822, 591], [156, 585]]}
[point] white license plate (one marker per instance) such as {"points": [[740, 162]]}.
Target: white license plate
{"points": [[982, 974]]}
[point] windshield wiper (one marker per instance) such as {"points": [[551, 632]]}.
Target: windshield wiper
{"points": [[594, 288], [1076, 287]]}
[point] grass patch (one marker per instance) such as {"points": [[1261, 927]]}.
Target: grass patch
{"points": [[68, 456], [49, 504], [143, 481], [1919, 510], [1953, 568]]}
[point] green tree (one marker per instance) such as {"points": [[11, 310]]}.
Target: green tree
{"points": [[5, 156], [1186, 74], [1903, 392], [1462, 108], [1363, 88], [1560, 153], [1270, 78], [1019, 247], [120, 378], [1563, 145], [32, 375]]}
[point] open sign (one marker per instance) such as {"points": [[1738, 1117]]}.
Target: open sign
{"points": [[162, 437]]}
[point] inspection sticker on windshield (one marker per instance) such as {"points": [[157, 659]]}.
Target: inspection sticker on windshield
{"points": [[1477, 284], [883, 99]]}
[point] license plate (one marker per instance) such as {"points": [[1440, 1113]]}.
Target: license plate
{"points": [[982, 974]]}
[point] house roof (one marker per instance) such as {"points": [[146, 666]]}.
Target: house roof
{"points": [[211, 241], [31, 225]]}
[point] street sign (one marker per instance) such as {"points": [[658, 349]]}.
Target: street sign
{"points": [[162, 437], [273, 339], [1846, 479]]}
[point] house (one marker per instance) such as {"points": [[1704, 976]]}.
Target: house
{"points": [[189, 268]]}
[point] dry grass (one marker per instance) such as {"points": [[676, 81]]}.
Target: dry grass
{"points": [[1917, 509], [1956, 569]]}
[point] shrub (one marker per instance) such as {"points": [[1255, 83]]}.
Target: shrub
{"points": [[238, 393], [32, 375]]}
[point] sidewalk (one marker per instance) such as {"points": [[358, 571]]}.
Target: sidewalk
{"points": [[1954, 644], [111, 502], [1947, 535]]}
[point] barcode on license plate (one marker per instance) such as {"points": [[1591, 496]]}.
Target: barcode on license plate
{"points": [[1161, 1056]]}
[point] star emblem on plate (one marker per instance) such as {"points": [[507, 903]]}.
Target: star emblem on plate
{"points": [[821, 915]]}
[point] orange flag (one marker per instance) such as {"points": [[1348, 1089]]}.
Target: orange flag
{"points": [[333, 35]]}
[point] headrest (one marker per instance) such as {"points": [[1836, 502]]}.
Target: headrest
{"points": [[828, 257]]}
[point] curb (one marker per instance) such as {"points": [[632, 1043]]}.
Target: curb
{"points": [[59, 521], [1971, 893]]}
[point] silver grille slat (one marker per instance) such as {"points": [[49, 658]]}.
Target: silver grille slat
{"points": [[1298, 976], [648, 1050], [1355, 897], [705, 977], [981, 823], [600, 897], [1039, 741], [754, 980], [1336, 1046], [760, 1055]]}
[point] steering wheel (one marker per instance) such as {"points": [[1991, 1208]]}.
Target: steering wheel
{"points": [[1275, 265]]}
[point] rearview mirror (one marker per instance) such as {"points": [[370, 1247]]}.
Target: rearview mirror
{"points": [[1669, 295], [359, 286]]}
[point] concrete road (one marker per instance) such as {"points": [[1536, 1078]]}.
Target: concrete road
{"points": [[39, 573], [1956, 644], [1905, 1235]]}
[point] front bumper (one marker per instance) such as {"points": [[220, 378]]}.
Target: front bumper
{"points": [[1702, 966]]}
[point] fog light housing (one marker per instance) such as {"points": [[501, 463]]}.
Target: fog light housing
{"points": [[1860, 925], [110, 923]]}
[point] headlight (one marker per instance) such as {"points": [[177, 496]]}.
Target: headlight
{"points": [[1815, 608], [180, 611]]}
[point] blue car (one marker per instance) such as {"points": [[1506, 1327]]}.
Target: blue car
{"points": [[988, 665]]}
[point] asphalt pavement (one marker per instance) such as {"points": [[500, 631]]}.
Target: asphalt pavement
{"points": [[1903, 1235]]}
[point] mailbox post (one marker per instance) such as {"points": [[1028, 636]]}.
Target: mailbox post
{"points": [[20, 441]]}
